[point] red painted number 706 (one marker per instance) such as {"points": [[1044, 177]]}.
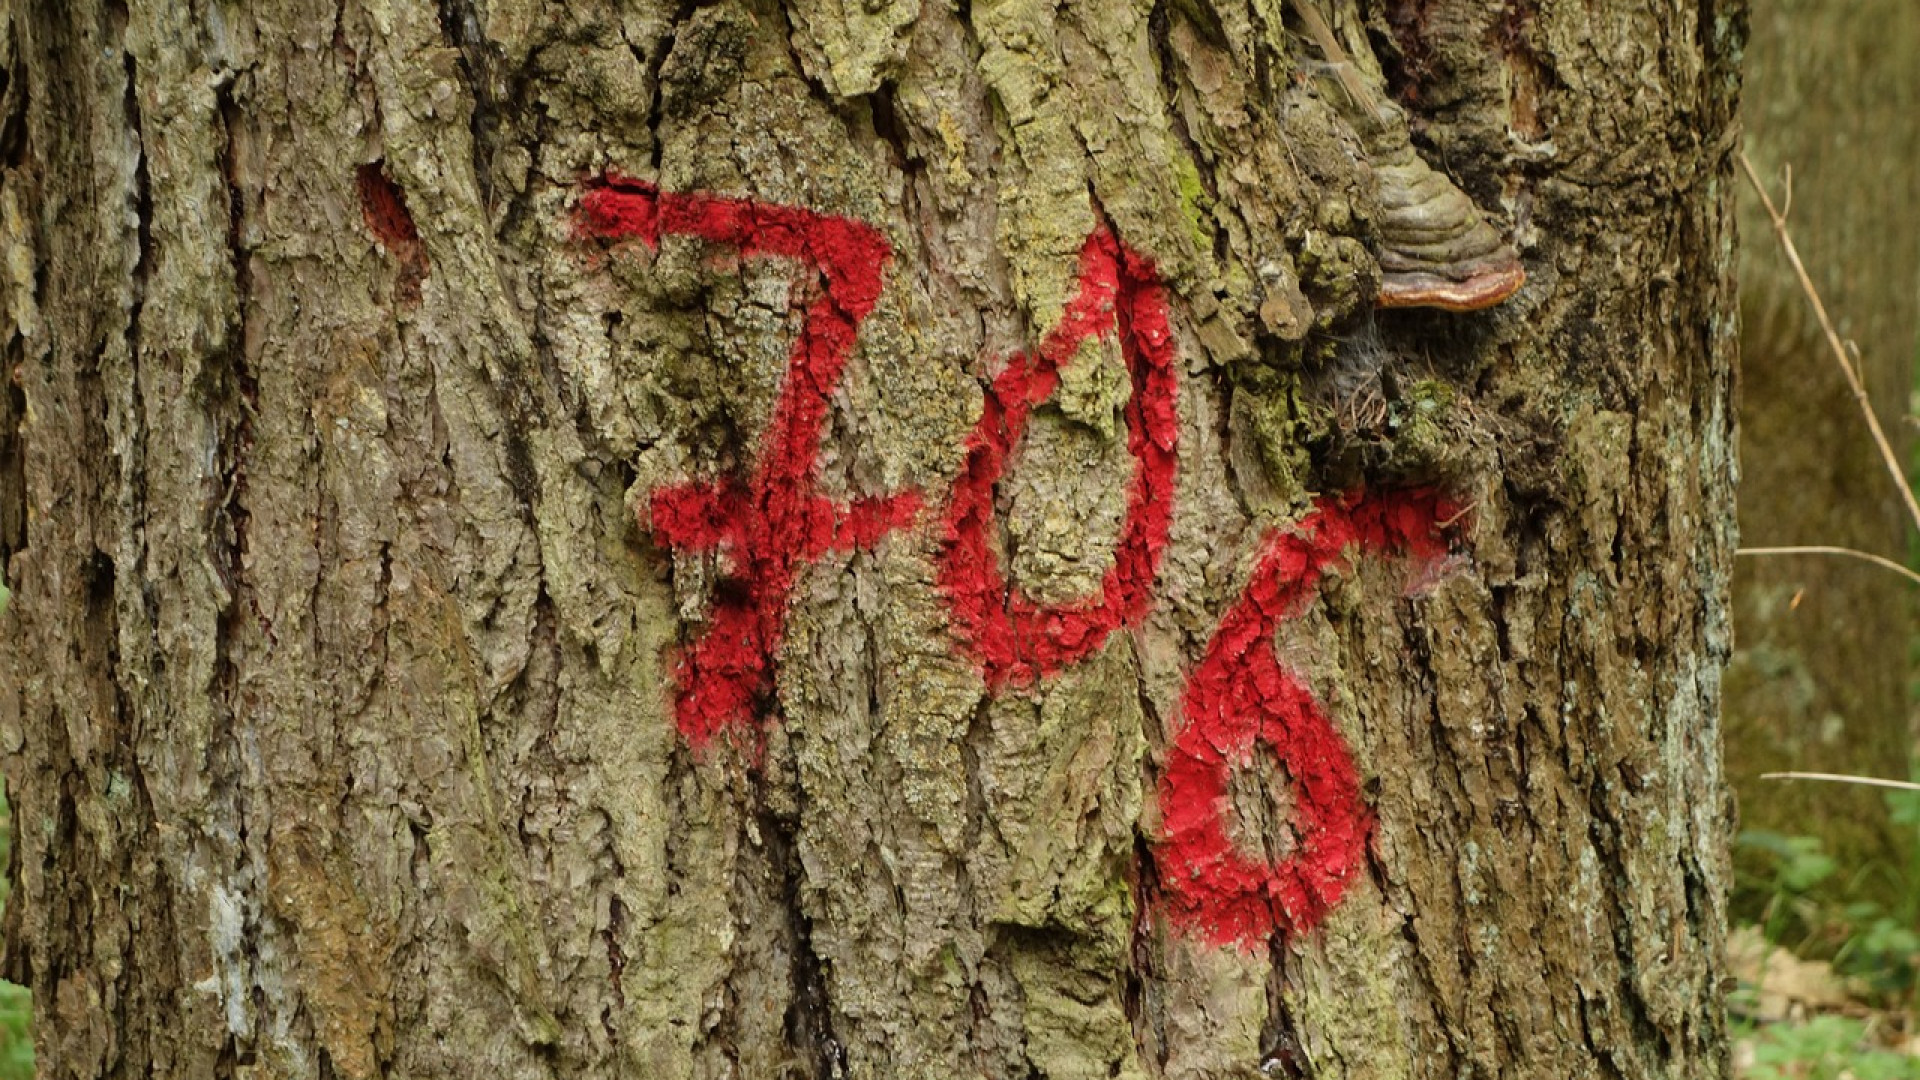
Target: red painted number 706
{"points": [[773, 522]]}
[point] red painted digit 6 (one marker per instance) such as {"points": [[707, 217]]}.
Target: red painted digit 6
{"points": [[1240, 695], [1013, 639]]}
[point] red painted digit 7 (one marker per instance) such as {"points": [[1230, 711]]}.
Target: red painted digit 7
{"points": [[1240, 695], [1013, 639], [774, 522]]}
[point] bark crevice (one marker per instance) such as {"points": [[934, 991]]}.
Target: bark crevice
{"points": [[460, 27], [808, 1022]]}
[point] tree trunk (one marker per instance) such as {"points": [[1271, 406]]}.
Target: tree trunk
{"points": [[874, 540], [1819, 681]]}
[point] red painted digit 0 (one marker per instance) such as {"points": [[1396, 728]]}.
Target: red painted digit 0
{"points": [[1241, 695], [773, 522], [1013, 639]]}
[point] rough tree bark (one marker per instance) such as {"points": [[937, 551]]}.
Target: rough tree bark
{"points": [[405, 396], [1819, 679]]}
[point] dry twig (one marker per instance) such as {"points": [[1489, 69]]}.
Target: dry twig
{"points": [[1840, 356], [1842, 778], [1822, 549]]}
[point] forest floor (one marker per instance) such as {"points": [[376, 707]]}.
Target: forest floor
{"points": [[1828, 985], [1795, 1019]]}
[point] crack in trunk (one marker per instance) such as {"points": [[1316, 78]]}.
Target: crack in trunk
{"points": [[809, 1018]]}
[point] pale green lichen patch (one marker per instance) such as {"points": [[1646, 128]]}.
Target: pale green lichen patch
{"points": [[1208, 1008], [1274, 429], [903, 413], [1062, 780], [1338, 274], [1195, 203], [1130, 152], [1094, 386], [1044, 210], [1343, 995], [1066, 496], [1075, 1024], [852, 46]]}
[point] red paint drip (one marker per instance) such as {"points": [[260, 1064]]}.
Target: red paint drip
{"points": [[1239, 695], [773, 522], [1013, 639]]}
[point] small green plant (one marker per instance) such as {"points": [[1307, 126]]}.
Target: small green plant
{"points": [[1881, 946], [1811, 910], [1798, 865], [1824, 1048], [1883, 953], [16, 1002], [1808, 908], [16, 1032]]}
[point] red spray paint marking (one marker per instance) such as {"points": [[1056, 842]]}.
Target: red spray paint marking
{"points": [[1013, 639], [773, 522], [1240, 695]]}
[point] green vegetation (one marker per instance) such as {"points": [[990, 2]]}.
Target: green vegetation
{"points": [[1838, 1001], [16, 1004], [1823, 1048], [16, 1032]]}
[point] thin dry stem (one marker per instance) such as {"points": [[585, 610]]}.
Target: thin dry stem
{"points": [[1842, 778], [1852, 553], [1839, 348]]}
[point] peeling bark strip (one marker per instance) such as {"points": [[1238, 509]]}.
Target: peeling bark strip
{"points": [[774, 522], [1241, 695], [1013, 639]]}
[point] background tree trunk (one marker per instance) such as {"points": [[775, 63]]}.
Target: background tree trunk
{"points": [[339, 697], [1818, 681]]}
